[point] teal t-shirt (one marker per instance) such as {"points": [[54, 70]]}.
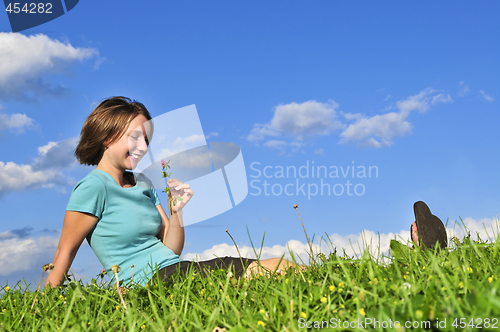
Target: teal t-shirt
{"points": [[125, 233]]}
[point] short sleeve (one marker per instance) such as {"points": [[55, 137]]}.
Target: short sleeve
{"points": [[146, 183], [88, 196], [155, 199]]}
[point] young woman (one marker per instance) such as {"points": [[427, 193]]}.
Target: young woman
{"points": [[119, 213]]}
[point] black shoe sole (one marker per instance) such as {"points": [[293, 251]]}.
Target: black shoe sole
{"points": [[430, 228]]}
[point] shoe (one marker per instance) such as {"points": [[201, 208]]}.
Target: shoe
{"points": [[430, 229]]}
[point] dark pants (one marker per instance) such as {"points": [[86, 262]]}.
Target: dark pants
{"points": [[204, 268]]}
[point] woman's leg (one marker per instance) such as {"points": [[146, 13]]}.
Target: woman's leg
{"points": [[270, 265]]}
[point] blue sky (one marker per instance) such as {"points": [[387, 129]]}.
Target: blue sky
{"points": [[410, 88]]}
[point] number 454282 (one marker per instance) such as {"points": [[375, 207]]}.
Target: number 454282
{"points": [[32, 8], [475, 323]]}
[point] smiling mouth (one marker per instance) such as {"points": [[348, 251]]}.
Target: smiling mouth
{"points": [[135, 156]]}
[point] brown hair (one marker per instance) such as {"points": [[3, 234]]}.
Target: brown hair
{"points": [[107, 123]]}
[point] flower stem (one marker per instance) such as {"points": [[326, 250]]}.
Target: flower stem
{"points": [[115, 268], [44, 268], [241, 259], [296, 207]]}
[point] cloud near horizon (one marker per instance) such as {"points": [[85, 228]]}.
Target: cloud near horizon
{"points": [[352, 245], [26, 60], [22, 253]]}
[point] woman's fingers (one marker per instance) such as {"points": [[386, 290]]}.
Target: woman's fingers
{"points": [[181, 193]]}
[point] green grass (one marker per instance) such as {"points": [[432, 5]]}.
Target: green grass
{"points": [[412, 286]]}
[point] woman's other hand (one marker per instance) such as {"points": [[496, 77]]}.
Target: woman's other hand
{"points": [[179, 190]]}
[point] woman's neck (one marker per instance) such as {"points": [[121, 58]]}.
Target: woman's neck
{"points": [[116, 174]]}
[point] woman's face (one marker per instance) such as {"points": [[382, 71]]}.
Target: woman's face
{"points": [[126, 152]]}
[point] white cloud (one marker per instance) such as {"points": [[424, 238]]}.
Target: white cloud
{"points": [[319, 151], [299, 120], [260, 131], [384, 127], [17, 122], [441, 98], [21, 254], [213, 134], [56, 155], [6, 235], [352, 245], [379, 130], [420, 102], [276, 144], [15, 177], [24, 61], [195, 158], [464, 89], [42, 150], [485, 96], [180, 144], [44, 172]]}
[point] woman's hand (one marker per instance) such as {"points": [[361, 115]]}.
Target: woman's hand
{"points": [[179, 189]]}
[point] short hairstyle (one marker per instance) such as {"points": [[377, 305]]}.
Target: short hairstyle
{"points": [[107, 123]]}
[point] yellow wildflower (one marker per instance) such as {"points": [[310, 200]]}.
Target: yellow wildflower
{"points": [[7, 288], [419, 314], [143, 327], [443, 288], [332, 288], [323, 299], [423, 268], [469, 269], [461, 285], [490, 279], [362, 311], [302, 314], [341, 284], [262, 311], [261, 323], [117, 307]]}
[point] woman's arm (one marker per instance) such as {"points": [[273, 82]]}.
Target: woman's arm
{"points": [[76, 226], [172, 230]]}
